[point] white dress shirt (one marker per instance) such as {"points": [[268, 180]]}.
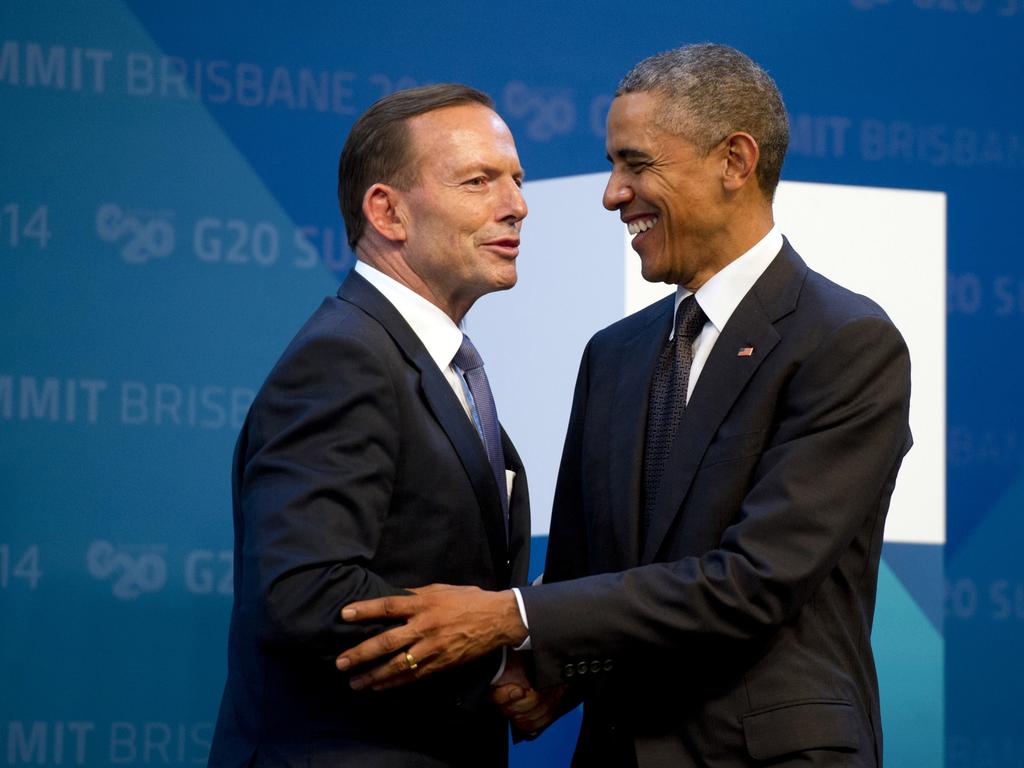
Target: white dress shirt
{"points": [[720, 296], [436, 330]]}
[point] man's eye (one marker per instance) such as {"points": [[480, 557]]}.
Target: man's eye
{"points": [[479, 181]]}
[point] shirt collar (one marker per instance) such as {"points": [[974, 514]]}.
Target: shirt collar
{"points": [[439, 334], [720, 295]]}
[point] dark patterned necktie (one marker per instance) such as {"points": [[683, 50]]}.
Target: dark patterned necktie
{"points": [[472, 366], [668, 400]]}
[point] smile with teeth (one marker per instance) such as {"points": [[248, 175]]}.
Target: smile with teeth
{"points": [[641, 225]]}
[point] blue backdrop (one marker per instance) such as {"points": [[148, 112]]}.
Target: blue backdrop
{"points": [[168, 220]]}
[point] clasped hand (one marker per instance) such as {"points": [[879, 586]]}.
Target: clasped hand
{"points": [[527, 708]]}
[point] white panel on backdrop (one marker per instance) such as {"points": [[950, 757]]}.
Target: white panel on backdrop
{"points": [[578, 273], [890, 244]]}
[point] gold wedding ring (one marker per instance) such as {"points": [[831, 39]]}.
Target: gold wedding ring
{"points": [[410, 661]]}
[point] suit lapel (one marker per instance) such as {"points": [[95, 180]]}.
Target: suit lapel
{"points": [[466, 441], [629, 414], [443, 404], [723, 379]]}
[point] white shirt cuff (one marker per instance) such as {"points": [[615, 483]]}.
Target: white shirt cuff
{"points": [[525, 645]]}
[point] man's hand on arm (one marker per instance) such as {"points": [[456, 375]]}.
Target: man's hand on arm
{"points": [[444, 626]]}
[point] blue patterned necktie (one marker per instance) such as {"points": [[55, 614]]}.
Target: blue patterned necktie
{"points": [[668, 399], [471, 364]]}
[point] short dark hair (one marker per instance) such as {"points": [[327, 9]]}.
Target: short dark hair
{"points": [[710, 91], [378, 149]]}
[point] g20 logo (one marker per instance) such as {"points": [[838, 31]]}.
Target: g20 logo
{"points": [[145, 236], [132, 575], [549, 112]]}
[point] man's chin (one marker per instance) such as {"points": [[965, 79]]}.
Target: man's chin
{"points": [[504, 280], [654, 273], [509, 276]]}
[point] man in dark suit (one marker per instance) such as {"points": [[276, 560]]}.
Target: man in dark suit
{"points": [[372, 462], [731, 453]]}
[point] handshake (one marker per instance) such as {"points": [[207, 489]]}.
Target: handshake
{"points": [[445, 626], [527, 708]]}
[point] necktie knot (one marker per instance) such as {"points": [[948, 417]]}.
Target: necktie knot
{"points": [[690, 318], [467, 358]]}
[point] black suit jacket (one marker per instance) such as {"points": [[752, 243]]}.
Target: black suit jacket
{"points": [[357, 475], [739, 631]]}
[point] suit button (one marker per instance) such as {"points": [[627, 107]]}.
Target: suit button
{"points": [[568, 671], [581, 668], [595, 666], [608, 665], [458, 701]]}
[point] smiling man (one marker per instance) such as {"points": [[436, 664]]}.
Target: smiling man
{"points": [[731, 452], [372, 460]]}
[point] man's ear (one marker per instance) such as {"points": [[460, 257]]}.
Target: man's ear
{"points": [[381, 207], [740, 157]]}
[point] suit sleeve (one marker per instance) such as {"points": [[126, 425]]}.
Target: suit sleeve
{"points": [[840, 432], [315, 469]]}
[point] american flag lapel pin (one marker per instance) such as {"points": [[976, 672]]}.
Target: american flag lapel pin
{"points": [[745, 352]]}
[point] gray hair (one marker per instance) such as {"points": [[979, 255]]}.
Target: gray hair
{"points": [[710, 91]]}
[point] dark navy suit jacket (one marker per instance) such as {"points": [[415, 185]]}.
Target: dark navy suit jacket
{"points": [[357, 475], [739, 632]]}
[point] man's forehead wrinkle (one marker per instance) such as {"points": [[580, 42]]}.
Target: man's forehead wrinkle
{"points": [[484, 162]]}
